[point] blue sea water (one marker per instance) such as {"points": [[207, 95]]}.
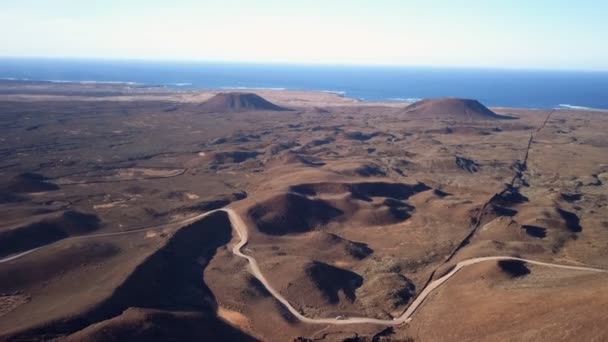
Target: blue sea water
{"points": [[509, 88]]}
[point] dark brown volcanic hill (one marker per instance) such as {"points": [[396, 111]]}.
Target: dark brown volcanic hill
{"points": [[452, 108], [238, 102], [46, 231], [292, 213], [30, 182]]}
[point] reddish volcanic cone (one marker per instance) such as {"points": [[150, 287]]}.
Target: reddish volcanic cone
{"points": [[238, 102], [451, 108]]}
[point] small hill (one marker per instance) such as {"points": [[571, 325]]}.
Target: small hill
{"points": [[293, 159], [451, 108], [331, 280], [386, 291], [291, 213], [309, 283], [328, 246], [46, 231], [362, 190], [178, 306], [142, 324], [238, 102], [28, 183], [231, 157]]}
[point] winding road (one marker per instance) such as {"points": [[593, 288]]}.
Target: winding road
{"points": [[241, 228]]}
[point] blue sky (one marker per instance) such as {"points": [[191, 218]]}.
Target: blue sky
{"points": [[559, 34]]}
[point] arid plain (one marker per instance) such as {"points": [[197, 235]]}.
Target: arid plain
{"points": [[350, 210]]}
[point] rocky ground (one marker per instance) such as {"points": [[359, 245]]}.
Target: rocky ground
{"points": [[354, 207]]}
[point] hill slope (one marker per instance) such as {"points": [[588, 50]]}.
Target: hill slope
{"points": [[238, 102], [451, 108]]}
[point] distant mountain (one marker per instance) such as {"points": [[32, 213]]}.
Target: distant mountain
{"points": [[238, 102], [452, 108]]}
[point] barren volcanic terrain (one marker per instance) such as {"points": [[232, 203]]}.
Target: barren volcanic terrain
{"points": [[143, 213]]}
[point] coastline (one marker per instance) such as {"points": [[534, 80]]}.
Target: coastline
{"points": [[21, 90]]}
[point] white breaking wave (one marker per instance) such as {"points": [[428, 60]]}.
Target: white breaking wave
{"points": [[405, 99], [14, 79], [68, 81], [182, 84], [253, 88], [101, 82], [337, 92], [569, 106]]}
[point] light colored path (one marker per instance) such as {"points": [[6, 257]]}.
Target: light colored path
{"points": [[241, 228], [17, 256], [133, 231]]}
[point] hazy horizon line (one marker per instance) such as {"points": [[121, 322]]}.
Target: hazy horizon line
{"points": [[303, 63]]}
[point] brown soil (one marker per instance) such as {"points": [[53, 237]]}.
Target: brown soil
{"points": [[352, 208], [48, 230], [29, 182]]}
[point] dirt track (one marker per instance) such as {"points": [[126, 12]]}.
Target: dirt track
{"points": [[242, 230]]}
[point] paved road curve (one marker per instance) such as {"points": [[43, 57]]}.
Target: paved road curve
{"points": [[241, 228]]}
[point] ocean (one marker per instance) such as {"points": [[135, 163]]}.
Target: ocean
{"points": [[493, 87]]}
